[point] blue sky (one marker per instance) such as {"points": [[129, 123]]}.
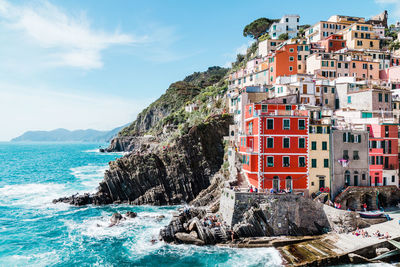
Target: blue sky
{"points": [[97, 63]]}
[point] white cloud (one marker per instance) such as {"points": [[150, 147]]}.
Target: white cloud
{"points": [[25, 109], [75, 43], [394, 3], [231, 57]]}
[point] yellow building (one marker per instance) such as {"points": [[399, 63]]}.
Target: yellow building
{"points": [[319, 162], [361, 36]]}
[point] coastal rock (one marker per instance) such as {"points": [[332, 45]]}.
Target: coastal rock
{"points": [[188, 239], [131, 214], [115, 219], [171, 176]]}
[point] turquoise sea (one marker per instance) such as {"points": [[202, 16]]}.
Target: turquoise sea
{"points": [[35, 232]]}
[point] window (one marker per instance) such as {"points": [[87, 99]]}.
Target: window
{"points": [[302, 143], [380, 97], [270, 142], [270, 161], [270, 124], [313, 145], [302, 124], [286, 142], [332, 63], [326, 163], [302, 161], [333, 90], [290, 68], [326, 101], [345, 154], [324, 145], [349, 99], [291, 58], [291, 50], [393, 179], [299, 57], [313, 163], [345, 137], [325, 89], [372, 160], [286, 162], [386, 98], [339, 65], [286, 124], [354, 65], [363, 176], [355, 155]]}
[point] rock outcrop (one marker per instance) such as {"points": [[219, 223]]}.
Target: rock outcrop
{"points": [[170, 175], [259, 216]]}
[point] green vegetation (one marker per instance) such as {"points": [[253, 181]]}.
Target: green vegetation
{"points": [[242, 59], [283, 36], [302, 30], [169, 109], [394, 45], [258, 27], [390, 32]]}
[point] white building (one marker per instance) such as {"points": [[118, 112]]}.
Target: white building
{"points": [[288, 24]]}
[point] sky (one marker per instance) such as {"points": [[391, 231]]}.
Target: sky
{"points": [[97, 63]]}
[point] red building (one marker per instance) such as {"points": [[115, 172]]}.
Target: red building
{"points": [[333, 43], [383, 154], [274, 147]]}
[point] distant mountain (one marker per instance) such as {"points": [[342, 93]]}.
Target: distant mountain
{"points": [[64, 135]]}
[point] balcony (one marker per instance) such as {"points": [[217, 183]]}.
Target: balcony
{"points": [[295, 113], [390, 167]]}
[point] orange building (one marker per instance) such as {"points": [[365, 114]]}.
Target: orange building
{"points": [[283, 62]]}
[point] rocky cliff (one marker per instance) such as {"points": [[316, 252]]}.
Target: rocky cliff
{"points": [[165, 175], [168, 109]]}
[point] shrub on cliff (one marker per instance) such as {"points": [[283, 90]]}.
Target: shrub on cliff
{"points": [[169, 108]]}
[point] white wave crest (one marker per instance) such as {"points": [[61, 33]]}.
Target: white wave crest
{"points": [[33, 195], [89, 175]]}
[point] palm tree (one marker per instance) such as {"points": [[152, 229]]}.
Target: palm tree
{"points": [[394, 45]]}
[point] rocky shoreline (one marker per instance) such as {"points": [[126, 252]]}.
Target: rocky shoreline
{"points": [[164, 175]]}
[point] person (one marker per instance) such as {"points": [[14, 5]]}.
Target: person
{"points": [[365, 206], [256, 190], [387, 236], [251, 189]]}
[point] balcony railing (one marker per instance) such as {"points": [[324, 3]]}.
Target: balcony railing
{"points": [[296, 113]]}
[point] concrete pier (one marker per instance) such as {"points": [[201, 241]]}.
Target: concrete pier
{"points": [[335, 248]]}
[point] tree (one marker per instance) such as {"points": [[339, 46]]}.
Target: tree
{"points": [[394, 45], [283, 36], [257, 27], [302, 30]]}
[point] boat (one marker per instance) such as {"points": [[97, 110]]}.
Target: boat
{"points": [[371, 214]]}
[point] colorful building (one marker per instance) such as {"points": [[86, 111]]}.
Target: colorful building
{"points": [[383, 154], [319, 158], [288, 24], [274, 147]]}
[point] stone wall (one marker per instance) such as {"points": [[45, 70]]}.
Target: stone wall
{"points": [[353, 197], [255, 215]]}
